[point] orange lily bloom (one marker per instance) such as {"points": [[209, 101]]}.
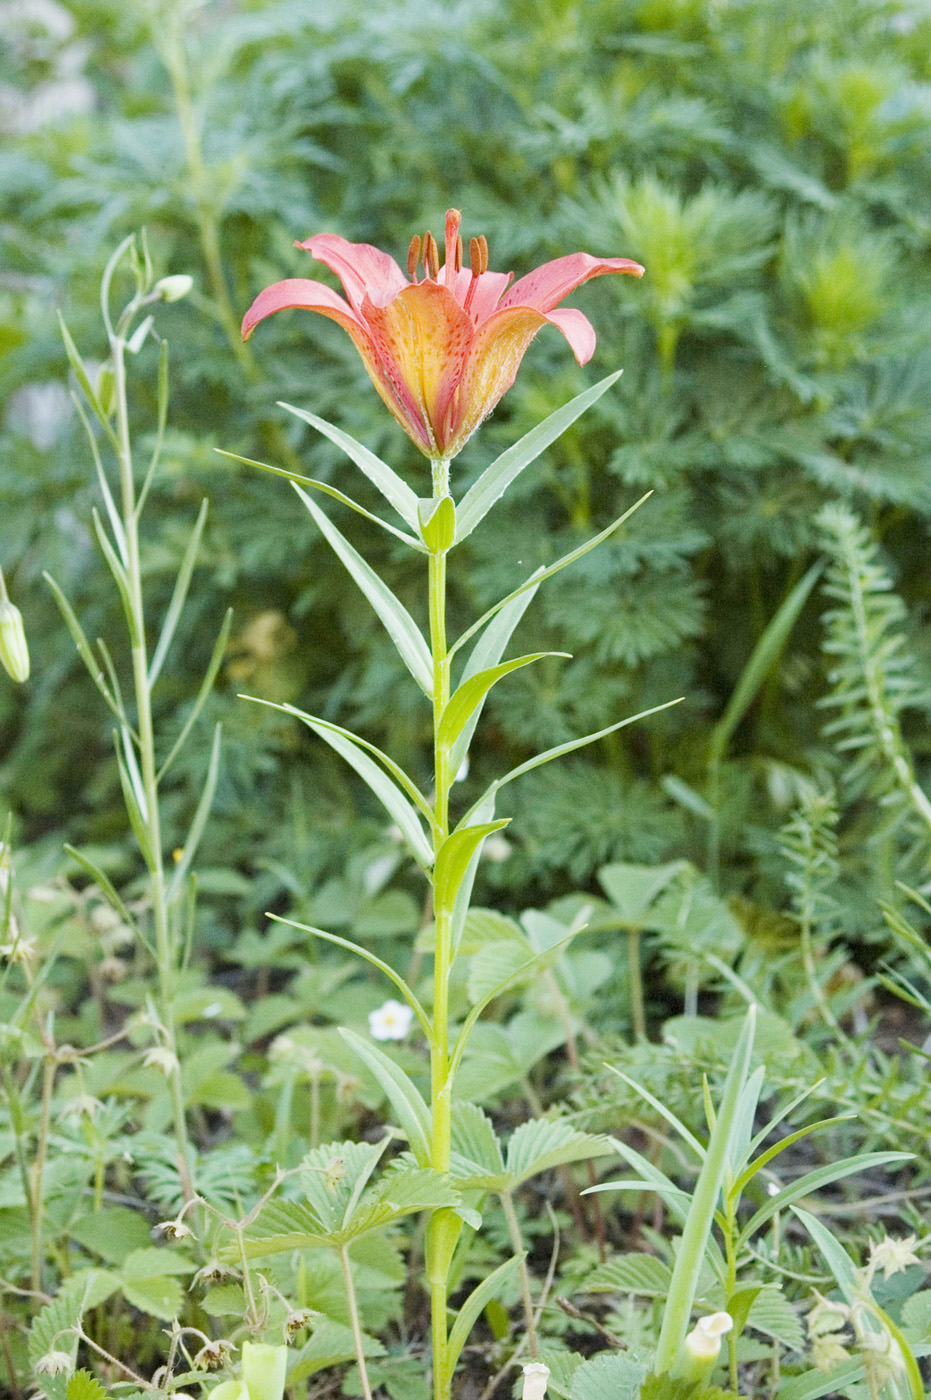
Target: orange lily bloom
{"points": [[441, 349]]}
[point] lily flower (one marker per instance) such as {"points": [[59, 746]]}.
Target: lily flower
{"points": [[441, 348]]}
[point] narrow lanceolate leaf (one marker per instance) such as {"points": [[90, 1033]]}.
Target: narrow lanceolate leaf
{"points": [[103, 882], [317, 724], [764, 657], [159, 428], [453, 857], [136, 818], [85, 650], [401, 1092], [562, 749], [395, 491], [395, 977], [496, 479], [116, 524], [80, 374], [329, 491], [470, 693], [397, 621], [541, 575], [183, 582], [813, 1181], [200, 700], [200, 817], [120, 577], [472, 1308], [488, 651]]}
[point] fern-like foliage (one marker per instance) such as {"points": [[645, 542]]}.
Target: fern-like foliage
{"points": [[872, 672]]}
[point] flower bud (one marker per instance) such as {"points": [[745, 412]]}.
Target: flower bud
{"points": [[174, 288], [702, 1347], [535, 1377], [263, 1370], [14, 653]]}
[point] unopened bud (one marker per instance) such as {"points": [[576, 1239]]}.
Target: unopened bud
{"points": [[263, 1370], [174, 288], [14, 653], [535, 1377], [703, 1346], [105, 389]]}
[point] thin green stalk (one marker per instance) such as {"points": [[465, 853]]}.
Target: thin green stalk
{"points": [[354, 1321], [517, 1244], [635, 973], [38, 1166], [151, 817], [440, 1095]]}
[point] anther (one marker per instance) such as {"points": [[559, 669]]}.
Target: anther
{"points": [[431, 256], [458, 253], [475, 257], [413, 256]]}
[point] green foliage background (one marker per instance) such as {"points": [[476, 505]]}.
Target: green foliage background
{"points": [[768, 161]]}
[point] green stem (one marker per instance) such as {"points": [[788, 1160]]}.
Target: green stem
{"points": [[354, 1320], [440, 1087], [38, 1168], [635, 972], [730, 1235], [151, 817], [517, 1244]]}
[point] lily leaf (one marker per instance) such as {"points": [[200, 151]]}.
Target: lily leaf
{"points": [[397, 621], [350, 747], [328, 491], [179, 594], [395, 491], [466, 698], [496, 479], [403, 1095], [454, 856], [812, 1181]]}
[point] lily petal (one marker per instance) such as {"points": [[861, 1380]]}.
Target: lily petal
{"points": [[300, 292], [422, 339], [546, 286], [500, 345], [577, 329], [362, 269]]}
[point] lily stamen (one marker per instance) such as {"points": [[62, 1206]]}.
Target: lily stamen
{"points": [[453, 220], [431, 256], [413, 257]]}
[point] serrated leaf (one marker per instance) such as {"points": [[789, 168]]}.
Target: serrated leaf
{"points": [[772, 1313], [609, 1376], [493, 964], [545, 1143], [224, 1300], [474, 1140], [113, 1232], [160, 1296], [83, 1386], [642, 1274], [633, 888]]}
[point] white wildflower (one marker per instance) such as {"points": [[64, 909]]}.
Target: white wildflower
{"points": [[535, 1377], [893, 1256], [391, 1021]]}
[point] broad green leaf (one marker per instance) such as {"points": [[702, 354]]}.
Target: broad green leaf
{"points": [[544, 1143], [561, 750], [402, 1094], [224, 1300], [474, 1139], [389, 972], [453, 857], [160, 1295], [83, 1386], [698, 1222], [395, 491], [331, 1344], [328, 491], [496, 479], [488, 651], [498, 963], [773, 1314], [182, 584], [199, 820], [540, 575], [764, 657], [609, 1376], [472, 1308], [113, 1232], [470, 693], [348, 746], [397, 621], [813, 1181], [642, 1274], [84, 647], [206, 685], [633, 888]]}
